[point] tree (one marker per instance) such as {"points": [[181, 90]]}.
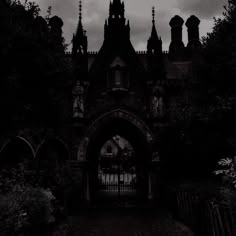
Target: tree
{"points": [[228, 172], [220, 51], [35, 75], [219, 73]]}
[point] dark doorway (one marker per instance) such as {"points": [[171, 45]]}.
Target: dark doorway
{"points": [[118, 174], [117, 170]]}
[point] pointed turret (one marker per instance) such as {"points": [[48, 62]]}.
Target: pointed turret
{"points": [[117, 9], [154, 31], [79, 49], [154, 51], [116, 27], [154, 45], [79, 38]]}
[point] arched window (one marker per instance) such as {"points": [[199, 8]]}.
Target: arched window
{"points": [[118, 76]]}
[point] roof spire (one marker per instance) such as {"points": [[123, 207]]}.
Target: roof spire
{"points": [[154, 31], [117, 1], [80, 25], [117, 9], [153, 15], [80, 38], [80, 10], [154, 42]]}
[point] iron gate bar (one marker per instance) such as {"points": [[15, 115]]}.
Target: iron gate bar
{"points": [[116, 180]]}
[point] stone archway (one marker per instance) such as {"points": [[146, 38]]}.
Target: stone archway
{"points": [[119, 114], [130, 127], [15, 151], [51, 157]]}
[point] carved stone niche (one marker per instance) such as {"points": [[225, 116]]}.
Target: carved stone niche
{"points": [[156, 103], [118, 76], [78, 100]]}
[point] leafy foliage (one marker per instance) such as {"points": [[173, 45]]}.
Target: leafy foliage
{"points": [[29, 6], [220, 50], [23, 207], [228, 171]]}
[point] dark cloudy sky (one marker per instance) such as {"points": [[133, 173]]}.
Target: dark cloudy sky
{"points": [[138, 12]]}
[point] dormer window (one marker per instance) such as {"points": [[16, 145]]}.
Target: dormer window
{"points": [[118, 76]]}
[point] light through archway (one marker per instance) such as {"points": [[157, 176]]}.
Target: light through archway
{"points": [[106, 128], [117, 169]]}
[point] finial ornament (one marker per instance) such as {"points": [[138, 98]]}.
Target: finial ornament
{"points": [[153, 15], [80, 10]]}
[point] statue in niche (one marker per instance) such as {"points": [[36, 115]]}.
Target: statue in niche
{"points": [[157, 101], [155, 157], [78, 107], [78, 104], [155, 105]]}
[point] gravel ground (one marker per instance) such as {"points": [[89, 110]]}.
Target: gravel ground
{"points": [[123, 222]]}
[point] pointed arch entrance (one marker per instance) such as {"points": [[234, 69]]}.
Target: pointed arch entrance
{"points": [[135, 132], [117, 169]]}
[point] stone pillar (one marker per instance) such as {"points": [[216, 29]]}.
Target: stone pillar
{"points": [[87, 188], [154, 175], [150, 195]]}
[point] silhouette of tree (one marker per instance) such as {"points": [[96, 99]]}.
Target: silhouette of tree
{"points": [[218, 73], [34, 64], [220, 50]]}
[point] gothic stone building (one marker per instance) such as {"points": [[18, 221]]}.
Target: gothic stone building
{"points": [[119, 92]]}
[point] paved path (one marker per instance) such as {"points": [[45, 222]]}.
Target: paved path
{"points": [[125, 222]]}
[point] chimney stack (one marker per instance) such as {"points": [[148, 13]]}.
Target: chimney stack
{"points": [[193, 32], [176, 46]]}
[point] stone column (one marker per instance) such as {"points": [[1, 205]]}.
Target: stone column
{"points": [[154, 175], [87, 189], [150, 195]]}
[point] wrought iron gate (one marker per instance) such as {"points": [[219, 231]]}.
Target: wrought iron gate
{"points": [[117, 178]]}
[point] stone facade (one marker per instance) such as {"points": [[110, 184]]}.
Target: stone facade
{"points": [[118, 91]]}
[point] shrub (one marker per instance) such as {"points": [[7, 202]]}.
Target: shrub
{"points": [[24, 208], [228, 172]]}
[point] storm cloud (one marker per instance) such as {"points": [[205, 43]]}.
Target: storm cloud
{"points": [[138, 12], [205, 9]]}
